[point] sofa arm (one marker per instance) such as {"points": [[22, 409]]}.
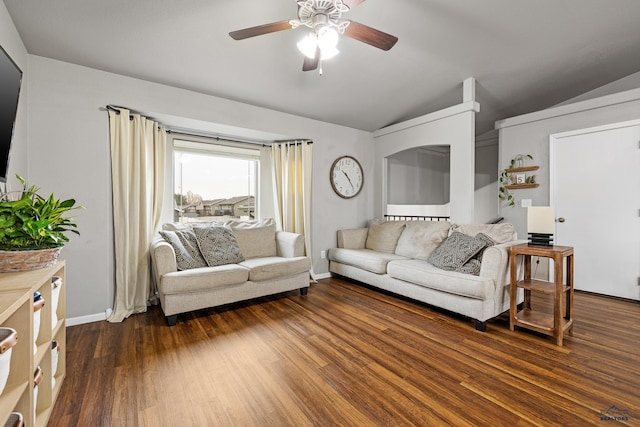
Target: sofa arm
{"points": [[163, 257], [495, 263], [289, 245], [354, 238]]}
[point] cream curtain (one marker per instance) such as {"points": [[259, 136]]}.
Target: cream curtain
{"points": [[291, 163], [137, 170]]}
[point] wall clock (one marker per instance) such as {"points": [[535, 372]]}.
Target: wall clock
{"points": [[346, 177]]}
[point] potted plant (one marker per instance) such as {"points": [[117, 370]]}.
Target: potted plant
{"points": [[33, 229], [506, 178]]}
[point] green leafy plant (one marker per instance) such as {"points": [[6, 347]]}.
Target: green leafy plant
{"points": [[505, 179], [29, 221]]}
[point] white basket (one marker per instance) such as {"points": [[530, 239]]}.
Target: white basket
{"points": [[56, 285], [8, 338], [37, 378], [37, 306], [55, 354], [15, 420]]}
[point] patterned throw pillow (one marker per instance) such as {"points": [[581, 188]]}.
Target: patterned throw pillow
{"points": [[488, 241], [470, 267], [455, 251], [218, 245], [186, 248]]}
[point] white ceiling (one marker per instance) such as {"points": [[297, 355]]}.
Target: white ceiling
{"points": [[526, 54]]}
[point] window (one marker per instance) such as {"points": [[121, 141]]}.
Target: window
{"points": [[214, 182]]}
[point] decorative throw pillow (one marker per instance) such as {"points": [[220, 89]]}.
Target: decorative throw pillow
{"points": [[218, 245], [384, 237], [473, 265], [256, 238], [455, 251], [185, 246], [470, 267]]}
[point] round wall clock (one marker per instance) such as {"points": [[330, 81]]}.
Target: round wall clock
{"points": [[346, 177]]}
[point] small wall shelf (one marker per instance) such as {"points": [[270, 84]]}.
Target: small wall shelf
{"points": [[522, 169], [517, 186]]}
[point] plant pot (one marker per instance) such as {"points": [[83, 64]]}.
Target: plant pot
{"points": [[28, 260], [8, 338]]}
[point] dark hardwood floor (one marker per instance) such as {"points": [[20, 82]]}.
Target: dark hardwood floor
{"points": [[347, 355]]}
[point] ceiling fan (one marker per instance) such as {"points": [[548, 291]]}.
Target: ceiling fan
{"points": [[324, 17]]}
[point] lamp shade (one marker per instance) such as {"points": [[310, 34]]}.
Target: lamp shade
{"points": [[540, 220]]}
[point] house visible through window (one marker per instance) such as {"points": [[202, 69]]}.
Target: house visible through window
{"points": [[214, 182]]}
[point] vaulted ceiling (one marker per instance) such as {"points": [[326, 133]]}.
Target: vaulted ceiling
{"points": [[526, 55]]}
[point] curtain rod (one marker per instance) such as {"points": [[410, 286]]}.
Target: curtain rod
{"points": [[117, 109]]}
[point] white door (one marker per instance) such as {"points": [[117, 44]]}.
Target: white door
{"points": [[595, 189]]}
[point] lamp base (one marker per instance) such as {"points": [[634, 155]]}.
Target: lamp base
{"points": [[540, 239]]}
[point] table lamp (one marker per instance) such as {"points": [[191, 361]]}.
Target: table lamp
{"points": [[540, 225]]}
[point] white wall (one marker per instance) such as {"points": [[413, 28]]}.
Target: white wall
{"points": [[12, 43], [69, 154], [529, 134]]}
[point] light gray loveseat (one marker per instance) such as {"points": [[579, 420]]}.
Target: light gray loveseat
{"points": [[274, 262], [393, 256]]}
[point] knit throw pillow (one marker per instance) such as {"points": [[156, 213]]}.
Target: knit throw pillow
{"points": [[455, 251], [218, 245], [186, 248]]}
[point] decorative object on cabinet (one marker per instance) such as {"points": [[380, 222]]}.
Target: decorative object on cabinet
{"points": [[17, 291], [540, 225], [346, 176], [511, 178], [32, 228]]}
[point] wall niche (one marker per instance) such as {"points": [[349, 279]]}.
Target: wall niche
{"points": [[419, 176]]}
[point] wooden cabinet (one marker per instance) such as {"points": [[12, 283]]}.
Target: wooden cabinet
{"points": [[17, 312], [561, 290]]}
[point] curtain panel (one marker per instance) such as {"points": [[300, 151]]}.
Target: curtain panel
{"points": [[291, 163], [138, 149]]}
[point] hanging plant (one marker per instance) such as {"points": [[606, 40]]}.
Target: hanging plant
{"points": [[505, 179]]}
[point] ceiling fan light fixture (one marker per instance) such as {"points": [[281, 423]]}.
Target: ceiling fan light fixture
{"points": [[308, 45]]}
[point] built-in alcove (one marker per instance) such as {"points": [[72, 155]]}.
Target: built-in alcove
{"points": [[419, 176]]}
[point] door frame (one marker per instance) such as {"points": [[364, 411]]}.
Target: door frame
{"points": [[555, 139]]}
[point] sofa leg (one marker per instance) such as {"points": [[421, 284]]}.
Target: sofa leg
{"points": [[304, 291], [172, 320], [480, 326]]}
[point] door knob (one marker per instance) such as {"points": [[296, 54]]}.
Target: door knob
{"points": [[561, 219]]}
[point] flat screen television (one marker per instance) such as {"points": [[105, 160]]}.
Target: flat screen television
{"points": [[10, 80]]}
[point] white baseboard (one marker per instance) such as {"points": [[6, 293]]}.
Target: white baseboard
{"points": [[89, 318], [323, 275]]}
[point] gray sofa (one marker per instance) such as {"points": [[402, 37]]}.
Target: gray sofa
{"points": [[264, 262], [398, 256]]}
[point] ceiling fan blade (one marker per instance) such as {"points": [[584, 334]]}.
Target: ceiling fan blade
{"points": [[369, 35], [352, 3], [260, 30], [311, 64]]}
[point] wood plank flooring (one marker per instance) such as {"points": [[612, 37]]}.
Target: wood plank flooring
{"points": [[347, 355]]}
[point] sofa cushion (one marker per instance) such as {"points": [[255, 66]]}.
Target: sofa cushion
{"points": [[455, 251], [202, 279], [420, 238], [500, 233], [185, 246], [424, 274], [256, 238], [274, 267], [366, 259], [218, 245], [384, 237]]}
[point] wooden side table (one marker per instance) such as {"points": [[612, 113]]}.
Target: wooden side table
{"points": [[561, 320]]}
